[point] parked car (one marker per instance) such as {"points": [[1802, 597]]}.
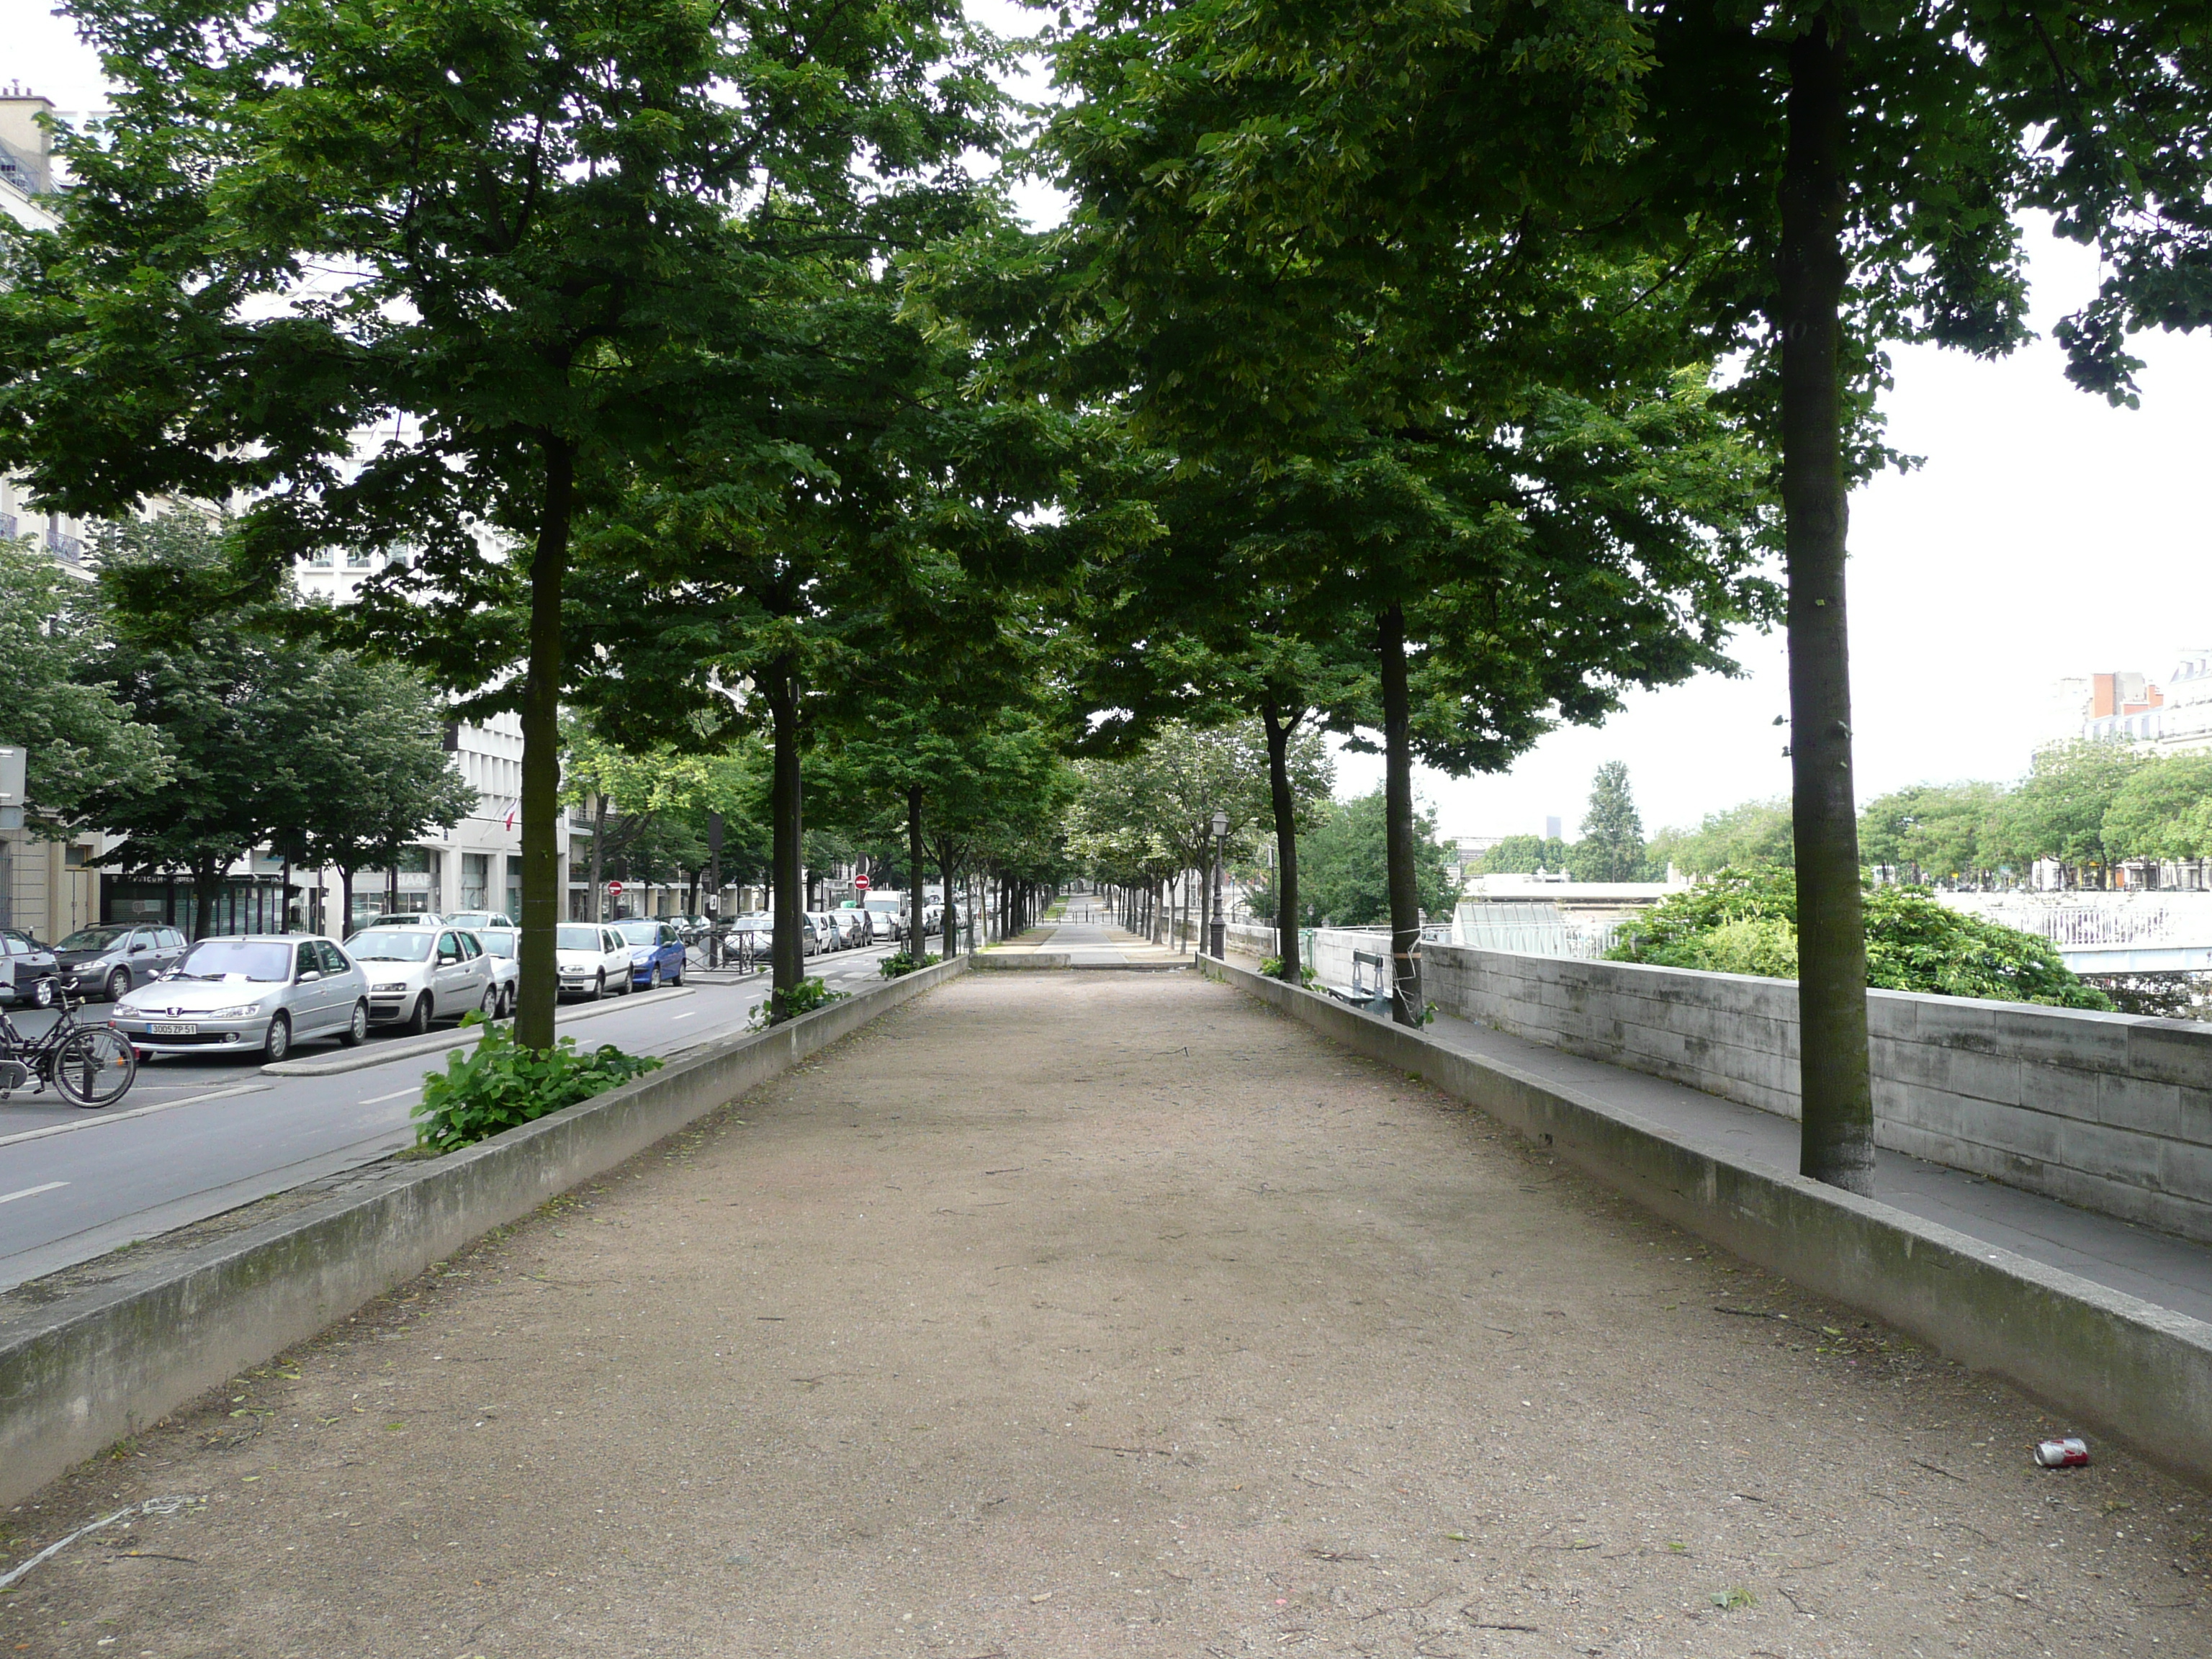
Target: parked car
{"points": [[248, 992], [826, 930], [403, 919], [29, 971], [887, 916], [420, 975], [656, 953], [593, 959], [857, 926], [503, 945], [476, 920], [107, 961]]}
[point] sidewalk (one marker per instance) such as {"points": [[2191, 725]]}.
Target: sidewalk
{"points": [[1058, 1315], [2159, 1267]]}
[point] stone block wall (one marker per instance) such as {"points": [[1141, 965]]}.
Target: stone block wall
{"points": [[2111, 1112]]}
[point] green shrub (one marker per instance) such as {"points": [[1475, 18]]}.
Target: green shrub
{"points": [[781, 1006], [1745, 921], [1272, 968], [901, 962], [498, 1083]]}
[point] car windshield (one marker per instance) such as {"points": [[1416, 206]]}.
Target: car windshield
{"points": [[640, 933], [885, 906], [580, 939], [92, 938], [500, 941], [220, 959], [397, 945]]}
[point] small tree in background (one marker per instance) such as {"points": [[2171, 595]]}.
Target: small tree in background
{"points": [[1612, 847]]}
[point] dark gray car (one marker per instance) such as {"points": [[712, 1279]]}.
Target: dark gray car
{"points": [[104, 963], [28, 972]]}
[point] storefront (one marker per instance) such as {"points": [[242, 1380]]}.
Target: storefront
{"points": [[244, 904]]}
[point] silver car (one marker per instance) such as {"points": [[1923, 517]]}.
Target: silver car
{"points": [[503, 945], [104, 962], [247, 994], [419, 975]]}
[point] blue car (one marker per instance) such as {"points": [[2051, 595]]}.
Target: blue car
{"points": [[656, 953]]}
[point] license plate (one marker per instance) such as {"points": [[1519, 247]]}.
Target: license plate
{"points": [[173, 1030]]}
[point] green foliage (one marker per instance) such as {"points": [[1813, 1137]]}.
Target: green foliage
{"points": [[803, 998], [2058, 810], [1933, 832], [1746, 922], [900, 963], [1753, 835], [1272, 968], [1344, 878], [78, 734], [1612, 847], [1523, 855], [497, 1083], [2163, 810]]}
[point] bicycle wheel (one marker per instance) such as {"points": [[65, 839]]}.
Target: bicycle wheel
{"points": [[94, 1067]]}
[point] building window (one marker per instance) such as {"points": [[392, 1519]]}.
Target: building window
{"points": [[476, 881]]}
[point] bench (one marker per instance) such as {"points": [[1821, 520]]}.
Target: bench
{"points": [[1370, 998]]}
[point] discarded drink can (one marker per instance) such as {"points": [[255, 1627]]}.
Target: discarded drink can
{"points": [[2070, 1453]]}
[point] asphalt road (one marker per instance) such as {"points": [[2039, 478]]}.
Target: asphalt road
{"points": [[222, 1133]]}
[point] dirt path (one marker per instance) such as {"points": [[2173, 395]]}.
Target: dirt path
{"points": [[1071, 1314]]}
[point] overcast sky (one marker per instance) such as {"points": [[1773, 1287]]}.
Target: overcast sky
{"points": [[2047, 535]]}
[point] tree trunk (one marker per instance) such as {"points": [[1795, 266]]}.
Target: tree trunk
{"points": [[1287, 836], [539, 989], [949, 927], [207, 881], [1837, 1143], [345, 897], [917, 945], [598, 858], [786, 822], [1406, 1001]]}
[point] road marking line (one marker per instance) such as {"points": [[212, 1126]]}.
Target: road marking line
{"points": [[31, 1192], [379, 1100], [141, 1111], [672, 1018]]}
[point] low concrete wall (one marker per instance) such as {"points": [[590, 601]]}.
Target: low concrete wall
{"points": [[94, 1368], [2113, 1112], [2139, 1372]]}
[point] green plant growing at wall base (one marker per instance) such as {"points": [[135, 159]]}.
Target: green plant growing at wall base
{"points": [[900, 963], [499, 1084], [802, 999]]}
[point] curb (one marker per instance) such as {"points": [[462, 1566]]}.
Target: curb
{"points": [[361, 1059], [80, 1374], [2127, 1367]]}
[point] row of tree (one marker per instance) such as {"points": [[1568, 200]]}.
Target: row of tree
{"points": [[197, 744], [1370, 386], [2085, 805]]}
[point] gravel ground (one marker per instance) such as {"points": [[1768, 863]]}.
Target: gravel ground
{"points": [[1105, 1314]]}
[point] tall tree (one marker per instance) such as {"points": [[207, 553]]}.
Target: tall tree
{"points": [[1612, 848], [562, 226]]}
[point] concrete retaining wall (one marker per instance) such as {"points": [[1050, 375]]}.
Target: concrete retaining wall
{"points": [[94, 1368], [2113, 1112], [2139, 1372]]}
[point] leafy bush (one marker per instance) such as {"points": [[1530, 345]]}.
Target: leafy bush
{"points": [[1272, 968], [781, 1006], [1745, 921], [901, 962], [499, 1084]]}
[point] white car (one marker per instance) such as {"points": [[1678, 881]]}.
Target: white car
{"points": [[255, 993], [503, 945], [419, 975], [887, 916], [593, 960], [476, 920]]}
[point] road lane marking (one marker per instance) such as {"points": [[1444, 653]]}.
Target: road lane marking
{"points": [[379, 1100], [31, 1192], [674, 1018], [143, 1111]]}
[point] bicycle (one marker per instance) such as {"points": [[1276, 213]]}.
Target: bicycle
{"points": [[91, 1066]]}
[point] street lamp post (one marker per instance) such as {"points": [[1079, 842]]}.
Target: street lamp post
{"points": [[1220, 940]]}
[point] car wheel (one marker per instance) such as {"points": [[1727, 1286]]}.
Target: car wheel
{"points": [[653, 979], [677, 978], [356, 1033], [42, 993], [490, 1007], [118, 985], [508, 998], [278, 1042], [418, 1019], [600, 985]]}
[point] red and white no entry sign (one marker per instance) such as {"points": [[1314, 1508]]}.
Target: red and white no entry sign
{"points": [[860, 882], [615, 889]]}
